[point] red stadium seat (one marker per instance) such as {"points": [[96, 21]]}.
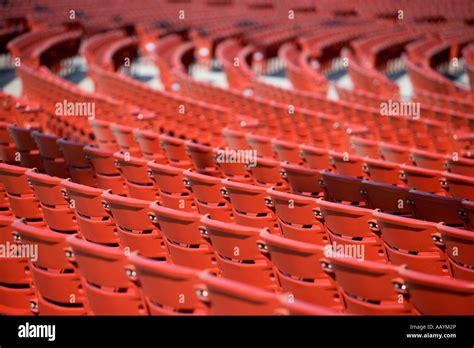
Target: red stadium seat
{"points": [[435, 295], [79, 167], [299, 270], [303, 181], [383, 171], [170, 183], [21, 197], [388, 198], [134, 227], [27, 148], [458, 245], [351, 227], [175, 151], [341, 188], [16, 290], [410, 242], [235, 139], [202, 157], [95, 224], [54, 276], [436, 208], [106, 285], [184, 242], [237, 253], [286, 151], [234, 165], [422, 179], [261, 144], [267, 172], [367, 286], [461, 166], [428, 160], [125, 139], [208, 196], [107, 175], [53, 159], [149, 143], [297, 217], [395, 153], [346, 164], [459, 186], [365, 148], [316, 158], [468, 213], [248, 205], [168, 289], [135, 171], [227, 297], [58, 213]]}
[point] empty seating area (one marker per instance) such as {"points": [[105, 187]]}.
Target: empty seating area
{"points": [[250, 199]]}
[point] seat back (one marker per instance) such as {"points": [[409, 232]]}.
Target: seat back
{"points": [[248, 204], [185, 243], [57, 211], [297, 217], [134, 226], [351, 226], [103, 269], [459, 247], [55, 278], [422, 179], [286, 151], [149, 143], [302, 180], [410, 241], [388, 198], [169, 289], [238, 255], [347, 164], [383, 171], [435, 295], [341, 188], [175, 151], [267, 172], [95, 224], [437, 208], [459, 186], [316, 158], [203, 158], [170, 184], [299, 269], [208, 196], [227, 297], [368, 287]]}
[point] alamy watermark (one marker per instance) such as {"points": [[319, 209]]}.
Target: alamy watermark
{"points": [[13, 250], [400, 108], [349, 250], [68, 108], [227, 155], [37, 331]]}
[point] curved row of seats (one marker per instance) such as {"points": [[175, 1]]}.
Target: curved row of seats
{"points": [[156, 200], [126, 228], [188, 248]]}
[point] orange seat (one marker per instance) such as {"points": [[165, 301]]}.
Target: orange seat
{"points": [[184, 242], [108, 289], [299, 270], [134, 227], [237, 253]]}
